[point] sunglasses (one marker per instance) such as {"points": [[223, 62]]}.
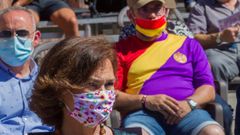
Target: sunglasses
{"points": [[9, 34]]}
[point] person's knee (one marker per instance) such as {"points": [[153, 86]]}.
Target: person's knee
{"points": [[212, 130], [73, 21], [64, 15]]}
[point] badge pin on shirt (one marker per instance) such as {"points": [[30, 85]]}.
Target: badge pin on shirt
{"points": [[179, 57]]}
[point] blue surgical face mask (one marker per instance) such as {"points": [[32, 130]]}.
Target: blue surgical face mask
{"points": [[15, 51]]}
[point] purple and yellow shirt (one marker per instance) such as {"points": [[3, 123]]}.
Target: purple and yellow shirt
{"points": [[172, 65]]}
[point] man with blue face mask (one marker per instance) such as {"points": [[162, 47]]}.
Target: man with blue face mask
{"points": [[18, 37]]}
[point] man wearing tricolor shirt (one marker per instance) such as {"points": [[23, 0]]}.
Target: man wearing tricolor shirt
{"points": [[166, 78]]}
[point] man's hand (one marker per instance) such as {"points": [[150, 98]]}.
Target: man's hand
{"points": [[163, 104], [22, 2], [230, 34], [184, 110]]}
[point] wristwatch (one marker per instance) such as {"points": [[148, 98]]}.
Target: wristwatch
{"points": [[218, 38], [192, 104]]}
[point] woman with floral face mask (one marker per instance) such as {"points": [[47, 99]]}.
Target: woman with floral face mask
{"points": [[74, 89]]}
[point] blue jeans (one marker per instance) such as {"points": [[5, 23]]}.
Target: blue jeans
{"points": [[155, 124], [237, 119], [227, 114]]}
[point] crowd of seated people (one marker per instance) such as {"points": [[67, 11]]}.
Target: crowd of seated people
{"points": [[78, 69]]}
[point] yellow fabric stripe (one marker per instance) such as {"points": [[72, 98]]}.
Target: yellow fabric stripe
{"points": [[150, 61]]}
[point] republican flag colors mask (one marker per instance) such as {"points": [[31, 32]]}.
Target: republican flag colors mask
{"points": [[151, 28]]}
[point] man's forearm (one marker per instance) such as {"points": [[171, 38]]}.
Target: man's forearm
{"points": [[207, 40], [203, 94], [127, 102]]}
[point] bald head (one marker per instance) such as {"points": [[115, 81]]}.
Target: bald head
{"points": [[14, 16]]}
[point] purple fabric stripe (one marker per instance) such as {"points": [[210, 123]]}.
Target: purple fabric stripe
{"points": [[162, 37], [179, 80]]}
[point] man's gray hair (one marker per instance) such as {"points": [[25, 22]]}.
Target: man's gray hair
{"points": [[14, 8]]}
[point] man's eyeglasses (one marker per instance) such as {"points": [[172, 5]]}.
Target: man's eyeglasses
{"points": [[9, 34], [158, 9]]}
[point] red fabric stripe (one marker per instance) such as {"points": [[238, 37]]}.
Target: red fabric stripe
{"points": [[137, 48], [151, 24]]}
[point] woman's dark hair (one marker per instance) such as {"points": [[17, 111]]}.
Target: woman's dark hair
{"points": [[67, 65]]}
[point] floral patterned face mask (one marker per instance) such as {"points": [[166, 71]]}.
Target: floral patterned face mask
{"points": [[92, 108]]}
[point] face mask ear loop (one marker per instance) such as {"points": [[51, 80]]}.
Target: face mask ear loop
{"points": [[34, 34], [69, 110], [66, 106]]}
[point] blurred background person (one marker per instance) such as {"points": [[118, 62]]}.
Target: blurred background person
{"points": [[55, 10], [221, 47]]}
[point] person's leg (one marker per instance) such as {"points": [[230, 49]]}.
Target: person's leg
{"points": [[59, 13], [66, 19], [145, 120], [223, 63], [211, 130], [197, 122], [227, 114], [237, 114], [224, 67]]}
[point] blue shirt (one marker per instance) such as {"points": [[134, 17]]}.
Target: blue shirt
{"points": [[15, 115]]}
